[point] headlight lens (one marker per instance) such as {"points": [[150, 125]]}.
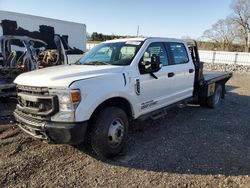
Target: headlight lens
{"points": [[68, 102], [64, 98]]}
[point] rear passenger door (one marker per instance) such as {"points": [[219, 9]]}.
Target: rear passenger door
{"points": [[183, 70]]}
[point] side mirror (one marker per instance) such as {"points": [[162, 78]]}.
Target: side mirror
{"points": [[150, 66]]}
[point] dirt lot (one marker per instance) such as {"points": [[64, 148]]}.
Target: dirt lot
{"points": [[191, 147]]}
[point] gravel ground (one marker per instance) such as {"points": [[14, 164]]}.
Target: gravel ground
{"points": [[227, 67], [190, 147]]}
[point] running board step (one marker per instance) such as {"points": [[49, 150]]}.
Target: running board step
{"points": [[163, 111], [158, 114]]}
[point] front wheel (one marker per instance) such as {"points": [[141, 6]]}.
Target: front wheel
{"points": [[109, 132], [214, 100]]}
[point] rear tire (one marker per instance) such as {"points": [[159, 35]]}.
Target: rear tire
{"points": [[109, 132], [214, 100]]}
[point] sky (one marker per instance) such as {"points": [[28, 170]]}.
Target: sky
{"points": [[159, 18]]}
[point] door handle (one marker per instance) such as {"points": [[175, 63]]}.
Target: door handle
{"points": [[191, 70], [171, 74]]}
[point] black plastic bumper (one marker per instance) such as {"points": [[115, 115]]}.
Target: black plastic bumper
{"points": [[53, 132]]}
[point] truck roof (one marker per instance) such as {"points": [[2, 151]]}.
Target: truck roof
{"points": [[145, 38]]}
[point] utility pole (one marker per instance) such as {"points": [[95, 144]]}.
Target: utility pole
{"points": [[138, 28]]}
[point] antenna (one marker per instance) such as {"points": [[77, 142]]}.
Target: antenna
{"points": [[138, 29]]}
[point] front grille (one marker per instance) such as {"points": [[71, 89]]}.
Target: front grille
{"points": [[30, 125], [27, 119], [33, 90], [36, 101]]}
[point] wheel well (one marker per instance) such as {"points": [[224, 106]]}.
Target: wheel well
{"points": [[116, 102]]}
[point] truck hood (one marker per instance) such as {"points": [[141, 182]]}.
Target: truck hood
{"points": [[62, 76]]}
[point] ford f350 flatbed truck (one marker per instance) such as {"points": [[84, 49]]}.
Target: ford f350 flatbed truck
{"points": [[112, 85]]}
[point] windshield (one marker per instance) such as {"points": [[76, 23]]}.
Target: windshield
{"points": [[117, 53]]}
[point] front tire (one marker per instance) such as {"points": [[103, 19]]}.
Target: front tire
{"points": [[109, 132]]}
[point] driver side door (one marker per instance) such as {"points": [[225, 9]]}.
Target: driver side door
{"points": [[155, 93]]}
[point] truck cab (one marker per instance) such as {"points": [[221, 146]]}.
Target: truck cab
{"points": [[112, 85]]}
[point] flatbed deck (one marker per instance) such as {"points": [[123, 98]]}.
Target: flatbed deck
{"points": [[214, 76]]}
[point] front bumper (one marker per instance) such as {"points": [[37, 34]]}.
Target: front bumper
{"points": [[53, 132]]}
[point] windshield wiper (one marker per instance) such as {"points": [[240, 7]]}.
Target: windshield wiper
{"points": [[96, 63]]}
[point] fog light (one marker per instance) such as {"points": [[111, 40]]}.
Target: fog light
{"points": [[67, 116]]}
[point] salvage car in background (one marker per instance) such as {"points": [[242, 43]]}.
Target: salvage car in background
{"points": [[21, 54], [30, 42]]}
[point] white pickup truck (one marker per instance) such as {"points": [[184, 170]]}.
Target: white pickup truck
{"points": [[112, 85]]}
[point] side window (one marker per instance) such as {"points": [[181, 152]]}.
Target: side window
{"points": [[127, 52], [179, 53], [158, 49]]}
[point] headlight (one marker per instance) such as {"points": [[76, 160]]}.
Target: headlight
{"points": [[68, 102]]}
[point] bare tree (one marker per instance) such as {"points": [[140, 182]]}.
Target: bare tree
{"points": [[222, 33], [241, 16]]}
